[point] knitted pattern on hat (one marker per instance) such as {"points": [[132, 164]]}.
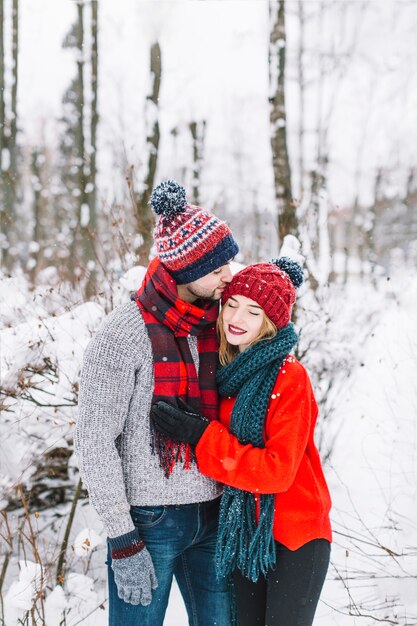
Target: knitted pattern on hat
{"points": [[190, 241], [271, 285]]}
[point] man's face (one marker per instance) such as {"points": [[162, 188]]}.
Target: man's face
{"points": [[209, 287]]}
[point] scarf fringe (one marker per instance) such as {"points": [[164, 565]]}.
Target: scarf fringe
{"points": [[242, 543], [262, 552], [170, 452]]}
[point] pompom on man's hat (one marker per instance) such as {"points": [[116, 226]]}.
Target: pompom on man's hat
{"points": [[190, 241], [271, 285]]}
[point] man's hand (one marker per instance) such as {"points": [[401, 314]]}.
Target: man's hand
{"points": [[183, 425], [134, 573]]}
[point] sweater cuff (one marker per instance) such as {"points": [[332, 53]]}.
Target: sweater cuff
{"points": [[200, 445], [126, 545]]}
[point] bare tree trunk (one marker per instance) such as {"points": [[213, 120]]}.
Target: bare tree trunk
{"points": [[257, 229], [144, 215], [37, 210], [81, 103], [8, 122], [315, 215], [370, 226], [332, 246], [2, 87], [92, 194], [13, 112], [301, 86], [90, 230], [350, 230], [79, 145], [11, 173], [287, 220], [411, 185], [198, 133], [3, 211]]}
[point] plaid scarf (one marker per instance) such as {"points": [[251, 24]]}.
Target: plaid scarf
{"points": [[169, 321]]}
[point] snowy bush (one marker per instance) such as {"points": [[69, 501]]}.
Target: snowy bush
{"points": [[360, 346]]}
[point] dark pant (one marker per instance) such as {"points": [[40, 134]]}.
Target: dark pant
{"points": [[289, 594], [182, 541]]}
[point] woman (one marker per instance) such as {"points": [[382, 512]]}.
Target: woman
{"points": [[274, 530]]}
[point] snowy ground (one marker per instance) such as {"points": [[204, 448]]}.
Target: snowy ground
{"points": [[372, 472], [373, 478]]}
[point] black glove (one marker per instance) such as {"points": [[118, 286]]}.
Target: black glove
{"points": [[183, 425]]}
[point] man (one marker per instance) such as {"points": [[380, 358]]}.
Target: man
{"points": [[159, 512]]}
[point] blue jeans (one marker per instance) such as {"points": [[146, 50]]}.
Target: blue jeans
{"points": [[181, 540]]}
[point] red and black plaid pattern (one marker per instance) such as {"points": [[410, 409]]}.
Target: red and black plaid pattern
{"points": [[169, 321]]}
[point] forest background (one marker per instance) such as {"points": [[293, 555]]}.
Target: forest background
{"points": [[282, 117]]}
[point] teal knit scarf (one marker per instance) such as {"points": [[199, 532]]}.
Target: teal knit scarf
{"points": [[242, 543]]}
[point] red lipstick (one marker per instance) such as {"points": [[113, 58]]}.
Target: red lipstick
{"points": [[235, 330]]}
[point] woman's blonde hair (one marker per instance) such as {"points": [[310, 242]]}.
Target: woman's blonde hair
{"points": [[227, 352]]}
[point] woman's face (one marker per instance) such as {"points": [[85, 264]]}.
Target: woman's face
{"points": [[242, 321]]}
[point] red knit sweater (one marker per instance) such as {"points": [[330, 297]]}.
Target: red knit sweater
{"points": [[289, 465]]}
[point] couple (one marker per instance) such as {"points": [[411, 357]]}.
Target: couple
{"points": [[227, 496]]}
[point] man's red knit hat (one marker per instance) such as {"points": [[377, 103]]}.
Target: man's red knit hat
{"points": [[271, 285]]}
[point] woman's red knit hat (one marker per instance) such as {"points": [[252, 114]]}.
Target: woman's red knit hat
{"points": [[271, 285]]}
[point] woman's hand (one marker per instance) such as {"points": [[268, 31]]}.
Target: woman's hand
{"points": [[179, 424]]}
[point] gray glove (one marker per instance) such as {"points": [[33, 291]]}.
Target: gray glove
{"points": [[134, 573]]}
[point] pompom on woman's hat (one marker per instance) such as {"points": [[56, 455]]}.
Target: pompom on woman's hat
{"points": [[191, 242], [272, 285]]}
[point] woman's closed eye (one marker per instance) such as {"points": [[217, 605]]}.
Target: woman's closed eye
{"points": [[231, 306]]}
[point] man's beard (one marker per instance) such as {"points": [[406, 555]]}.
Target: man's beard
{"points": [[204, 294]]}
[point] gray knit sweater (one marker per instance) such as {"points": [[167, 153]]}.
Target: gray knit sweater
{"points": [[112, 435]]}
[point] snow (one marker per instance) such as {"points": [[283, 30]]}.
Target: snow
{"points": [[83, 602], [55, 604], [360, 340], [371, 427], [133, 278], [85, 214], [86, 541], [373, 475], [22, 592], [291, 248], [40, 363]]}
